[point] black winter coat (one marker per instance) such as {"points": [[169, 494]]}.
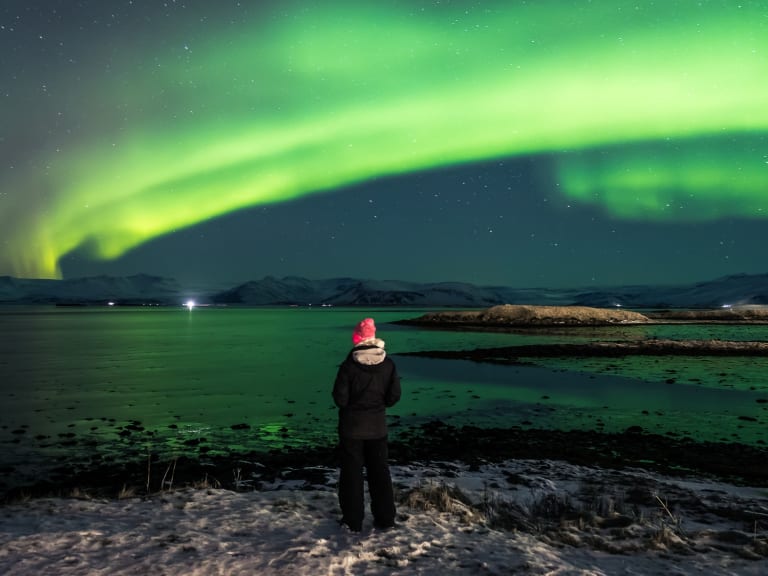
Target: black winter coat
{"points": [[363, 392]]}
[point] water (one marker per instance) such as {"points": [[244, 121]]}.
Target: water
{"points": [[116, 382]]}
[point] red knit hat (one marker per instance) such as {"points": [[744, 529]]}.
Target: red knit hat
{"points": [[365, 330]]}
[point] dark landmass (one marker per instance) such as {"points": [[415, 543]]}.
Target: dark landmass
{"points": [[522, 316], [508, 315], [728, 315], [136, 290], [515, 318], [142, 289], [431, 442], [510, 354]]}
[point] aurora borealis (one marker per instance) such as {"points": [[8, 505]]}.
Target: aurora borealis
{"points": [[126, 123]]}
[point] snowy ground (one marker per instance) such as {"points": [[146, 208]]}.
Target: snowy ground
{"points": [[519, 517]]}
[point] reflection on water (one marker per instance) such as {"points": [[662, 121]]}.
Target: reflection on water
{"points": [[117, 381]]}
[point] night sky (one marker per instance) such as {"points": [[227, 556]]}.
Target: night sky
{"points": [[543, 143]]}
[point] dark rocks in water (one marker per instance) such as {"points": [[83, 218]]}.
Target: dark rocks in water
{"points": [[657, 347], [242, 426], [194, 441]]}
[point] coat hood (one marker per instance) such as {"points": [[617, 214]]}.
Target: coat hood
{"points": [[369, 352]]}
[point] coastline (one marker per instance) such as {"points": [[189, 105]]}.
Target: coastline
{"points": [[470, 500], [137, 466], [434, 441]]}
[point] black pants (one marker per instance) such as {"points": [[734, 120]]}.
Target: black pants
{"points": [[373, 455]]}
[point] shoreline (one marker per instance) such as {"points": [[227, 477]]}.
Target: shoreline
{"points": [[81, 465], [432, 442], [523, 516]]}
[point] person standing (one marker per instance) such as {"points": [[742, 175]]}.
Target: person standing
{"points": [[367, 383]]}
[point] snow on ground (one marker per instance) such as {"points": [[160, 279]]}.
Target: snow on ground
{"points": [[518, 517]]}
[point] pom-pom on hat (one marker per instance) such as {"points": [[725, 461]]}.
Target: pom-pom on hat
{"points": [[365, 330]]}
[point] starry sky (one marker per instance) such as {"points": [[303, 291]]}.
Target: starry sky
{"points": [[555, 143]]}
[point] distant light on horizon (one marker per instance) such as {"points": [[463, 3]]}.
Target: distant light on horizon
{"points": [[189, 304]]}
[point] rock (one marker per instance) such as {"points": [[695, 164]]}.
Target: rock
{"points": [[524, 315]]}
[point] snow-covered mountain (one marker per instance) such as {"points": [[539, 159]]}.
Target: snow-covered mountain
{"points": [[355, 292], [741, 289], [736, 290], [138, 289]]}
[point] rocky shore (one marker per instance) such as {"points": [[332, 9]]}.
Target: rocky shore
{"points": [[514, 317], [517, 316], [659, 347], [434, 441], [634, 448], [510, 316]]}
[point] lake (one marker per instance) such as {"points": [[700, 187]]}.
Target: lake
{"points": [[112, 383]]}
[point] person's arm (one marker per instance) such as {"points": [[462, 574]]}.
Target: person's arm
{"points": [[341, 387], [393, 391]]}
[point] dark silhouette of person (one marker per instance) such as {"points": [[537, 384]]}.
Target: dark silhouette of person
{"points": [[366, 385]]}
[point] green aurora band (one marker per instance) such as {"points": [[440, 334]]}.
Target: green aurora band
{"points": [[652, 111]]}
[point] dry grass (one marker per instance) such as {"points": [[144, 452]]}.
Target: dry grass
{"points": [[599, 517], [442, 498], [126, 492]]}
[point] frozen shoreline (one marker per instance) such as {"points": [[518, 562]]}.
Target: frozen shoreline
{"points": [[731, 462], [522, 517]]}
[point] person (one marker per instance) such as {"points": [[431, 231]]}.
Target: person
{"points": [[367, 383]]}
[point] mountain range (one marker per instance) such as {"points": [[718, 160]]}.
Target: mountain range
{"points": [[142, 289]]}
